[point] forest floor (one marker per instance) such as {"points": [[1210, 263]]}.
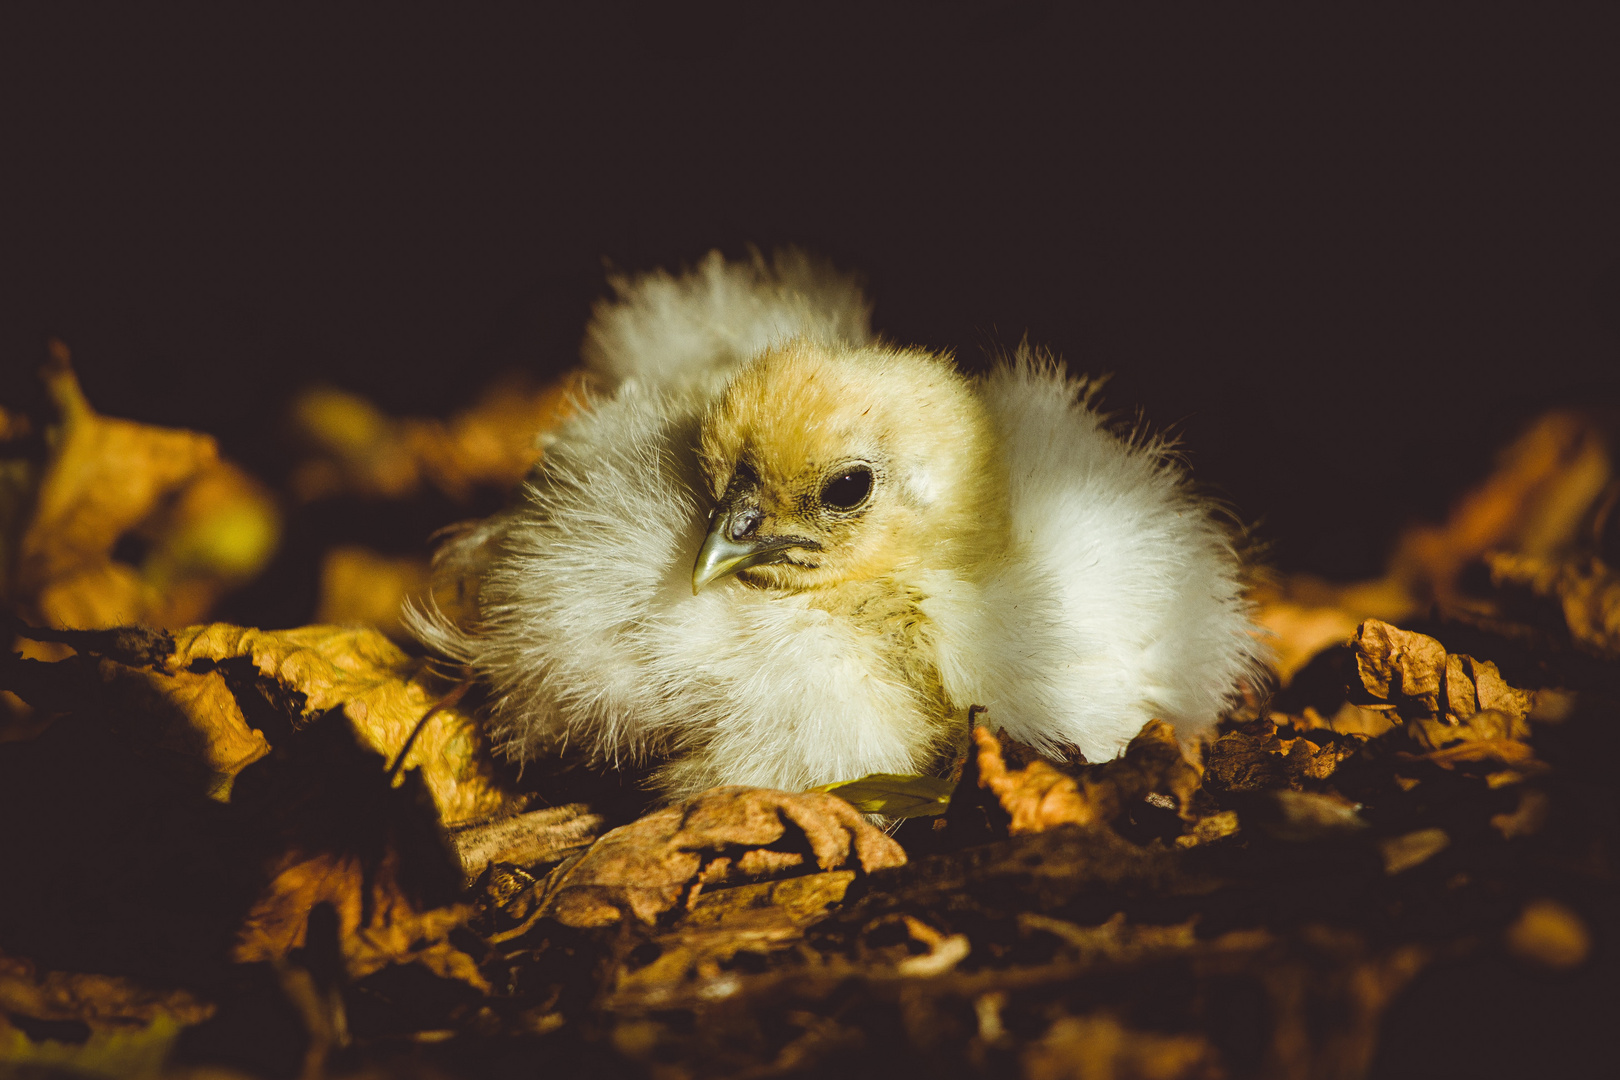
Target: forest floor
{"points": [[231, 851]]}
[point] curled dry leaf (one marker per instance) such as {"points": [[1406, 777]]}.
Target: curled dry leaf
{"points": [[356, 449], [190, 715], [97, 1000], [1586, 588], [1544, 484], [1246, 760], [758, 918], [525, 839], [1533, 504], [646, 868], [1038, 796], [206, 525], [384, 693], [1457, 707], [377, 924]]}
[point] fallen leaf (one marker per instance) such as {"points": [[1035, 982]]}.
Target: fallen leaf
{"points": [[384, 693], [1550, 934], [1100, 1047], [377, 924], [646, 868], [1212, 827], [1533, 503], [1458, 708], [1303, 816], [760, 918], [359, 587], [356, 449], [191, 715], [1401, 853], [525, 839], [1038, 796], [894, 796], [1528, 817], [101, 1001], [1587, 589], [208, 527], [1399, 669]]}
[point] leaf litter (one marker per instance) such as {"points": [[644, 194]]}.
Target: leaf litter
{"points": [[235, 851]]}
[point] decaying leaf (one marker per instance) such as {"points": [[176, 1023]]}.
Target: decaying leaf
{"points": [[190, 715], [1543, 487], [384, 693], [525, 839], [207, 526], [361, 587], [894, 796], [1457, 707], [646, 868], [377, 924], [1550, 934], [1099, 1047], [1247, 760], [100, 1001], [1534, 504], [1038, 796], [758, 918], [1401, 853], [356, 449], [1586, 588]]}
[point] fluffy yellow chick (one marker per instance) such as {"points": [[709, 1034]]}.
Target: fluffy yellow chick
{"points": [[782, 554]]}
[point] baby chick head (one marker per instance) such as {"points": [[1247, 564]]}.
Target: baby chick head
{"points": [[830, 465]]}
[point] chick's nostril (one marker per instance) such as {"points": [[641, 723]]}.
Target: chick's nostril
{"points": [[744, 524]]}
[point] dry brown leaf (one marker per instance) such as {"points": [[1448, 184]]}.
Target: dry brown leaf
{"points": [[395, 933], [1401, 853], [1099, 1047], [384, 693], [646, 868], [1117, 939], [1533, 503], [360, 587], [97, 1000], [357, 449], [525, 839], [761, 918], [1457, 707], [1399, 669], [1588, 590], [1527, 818], [208, 525], [214, 729], [1038, 796], [1550, 934], [1545, 485]]}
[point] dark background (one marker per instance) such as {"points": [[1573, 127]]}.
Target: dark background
{"points": [[1344, 255]]}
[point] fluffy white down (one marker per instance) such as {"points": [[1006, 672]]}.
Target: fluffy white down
{"points": [[670, 332], [591, 632], [1118, 600]]}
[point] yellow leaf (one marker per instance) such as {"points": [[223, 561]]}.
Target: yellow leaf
{"points": [[894, 795], [383, 692]]}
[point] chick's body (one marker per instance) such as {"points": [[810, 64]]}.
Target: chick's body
{"points": [[804, 565]]}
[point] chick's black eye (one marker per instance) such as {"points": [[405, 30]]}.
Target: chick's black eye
{"points": [[847, 491]]}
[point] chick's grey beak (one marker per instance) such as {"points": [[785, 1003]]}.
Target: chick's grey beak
{"points": [[733, 544]]}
